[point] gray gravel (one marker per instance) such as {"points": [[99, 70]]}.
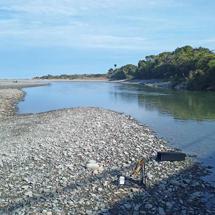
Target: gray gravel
{"points": [[44, 167], [21, 83], [8, 100], [11, 93]]}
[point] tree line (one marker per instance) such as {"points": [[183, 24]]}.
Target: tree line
{"points": [[72, 77], [193, 68]]}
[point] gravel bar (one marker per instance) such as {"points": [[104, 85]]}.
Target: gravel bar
{"points": [[45, 166]]}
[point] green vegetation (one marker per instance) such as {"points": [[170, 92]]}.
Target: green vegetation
{"points": [[193, 68], [72, 77], [126, 72]]}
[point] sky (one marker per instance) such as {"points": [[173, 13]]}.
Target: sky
{"points": [[39, 37]]}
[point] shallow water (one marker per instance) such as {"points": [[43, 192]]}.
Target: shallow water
{"points": [[185, 119]]}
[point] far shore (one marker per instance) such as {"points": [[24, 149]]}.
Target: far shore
{"points": [[21, 83], [153, 83], [74, 80]]}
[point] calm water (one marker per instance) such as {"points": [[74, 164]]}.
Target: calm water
{"points": [[185, 119]]}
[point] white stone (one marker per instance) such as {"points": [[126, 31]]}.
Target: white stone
{"points": [[91, 161], [93, 166], [1, 163], [29, 194]]}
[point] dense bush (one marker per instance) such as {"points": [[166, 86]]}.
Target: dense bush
{"points": [[194, 67], [125, 72]]}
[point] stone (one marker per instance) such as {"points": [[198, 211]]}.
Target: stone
{"points": [[105, 184], [95, 172], [127, 205], [29, 194], [149, 176], [89, 212], [161, 211], [100, 189], [148, 206], [169, 205], [1, 163], [25, 187], [195, 195], [133, 189], [92, 161], [93, 165]]}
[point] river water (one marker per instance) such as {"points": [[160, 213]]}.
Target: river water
{"points": [[185, 119]]}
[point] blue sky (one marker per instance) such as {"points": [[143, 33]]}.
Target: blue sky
{"points": [[89, 36]]}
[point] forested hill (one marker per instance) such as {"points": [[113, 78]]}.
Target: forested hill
{"points": [[194, 68]]}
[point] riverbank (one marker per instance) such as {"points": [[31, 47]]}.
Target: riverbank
{"points": [[154, 83], [76, 80], [21, 83], [11, 94], [44, 158]]}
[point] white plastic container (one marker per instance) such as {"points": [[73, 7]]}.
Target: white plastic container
{"points": [[121, 180]]}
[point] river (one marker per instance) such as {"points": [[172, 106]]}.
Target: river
{"points": [[185, 119]]}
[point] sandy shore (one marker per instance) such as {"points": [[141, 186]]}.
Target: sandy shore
{"points": [[75, 80], [21, 83], [44, 166]]}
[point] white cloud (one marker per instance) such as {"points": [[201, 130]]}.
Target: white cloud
{"points": [[66, 36], [86, 23], [116, 42], [74, 7]]}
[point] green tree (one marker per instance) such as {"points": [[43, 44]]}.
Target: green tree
{"points": [[195, 67]]}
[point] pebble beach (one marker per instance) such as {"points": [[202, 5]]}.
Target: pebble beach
{"points": [[69, 161]]}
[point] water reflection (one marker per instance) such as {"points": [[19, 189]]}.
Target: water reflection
{"points": [[181, 105]]}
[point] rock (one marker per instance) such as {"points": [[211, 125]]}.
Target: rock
{"points": [[169, 205], [196, 195], [104, 212], [161, 211], [149, 176], [92, 161], [101, 169], [148, 206], [181, 201], [1, 163], [25, 187], [175, 182], [70, 166], [100, 189], [133, 189], [93, 165], [127, 206], [44, 211], [89, 212], [29, 194], [95, 172], [105, 184]]}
